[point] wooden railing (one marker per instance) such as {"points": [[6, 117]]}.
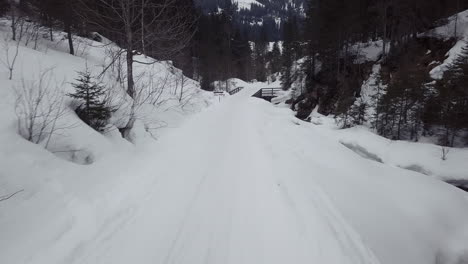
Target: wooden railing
{"points": [[267, 93], [235, 90]]}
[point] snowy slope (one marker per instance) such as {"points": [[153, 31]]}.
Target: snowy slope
{"points": [[62, 203], [424, 158], [460, 22], [246, 4]]}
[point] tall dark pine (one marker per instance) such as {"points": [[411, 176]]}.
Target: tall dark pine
{"points": [[241, 57], [453, 99], [311, 35], [275, 59], [288, 55]]}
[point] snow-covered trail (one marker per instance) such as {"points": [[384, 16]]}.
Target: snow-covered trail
{"points": [[220, 195]]}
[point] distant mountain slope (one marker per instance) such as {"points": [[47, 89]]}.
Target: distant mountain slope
{"points": [[256, 16]]}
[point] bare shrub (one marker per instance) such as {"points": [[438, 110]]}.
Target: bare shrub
{"points": [[11, 49], [39, 106]]}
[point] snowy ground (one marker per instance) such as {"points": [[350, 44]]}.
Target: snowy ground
{"points": [[240, 182], [443, 163]]}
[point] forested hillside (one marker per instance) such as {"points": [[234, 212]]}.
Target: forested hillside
{"points": [[333, 52], [254, 18], [387, 45]]}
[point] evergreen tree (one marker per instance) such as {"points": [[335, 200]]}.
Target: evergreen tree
{"points": [[354, 116], [260, 51], [93, 109], [275, 59], [452, 99], [242, 57], [287, 56], [400, 108]]}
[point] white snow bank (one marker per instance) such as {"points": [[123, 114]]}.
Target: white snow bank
{"points": [[437, 72], [403, 216], [63, 204], [425, 158], [421, 157], [246, 4]]}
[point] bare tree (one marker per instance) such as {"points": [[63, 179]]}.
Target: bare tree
{"points": [[15, 17], [39, 106], [160, 28], [182, 85], [154, 88], [11, 55]]}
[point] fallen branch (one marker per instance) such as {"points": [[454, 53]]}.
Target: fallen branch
{"points": [[6, 197]]}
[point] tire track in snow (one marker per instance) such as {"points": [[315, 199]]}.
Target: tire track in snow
{"points": [[313, 209]]}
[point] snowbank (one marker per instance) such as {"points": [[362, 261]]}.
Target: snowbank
{"points": [[62, 202], [420, 157], [403, 216], [246, 4]]}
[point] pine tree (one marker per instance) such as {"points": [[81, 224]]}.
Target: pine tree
{"points": [[93, 108], [400, 108], [275, 59], [453, 99], [260, 51], [287, 56]]}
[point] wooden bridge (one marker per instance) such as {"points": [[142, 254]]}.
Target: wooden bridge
{"points": [[234, 91], [267, 93]]}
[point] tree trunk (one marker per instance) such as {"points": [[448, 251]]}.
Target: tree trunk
{"points": [[384, 37], [130, 83], [182, 88], [51, 32], [452, 140], [131, 122], [13, 23], [143, 45], [70, 38], [456, 19]]}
